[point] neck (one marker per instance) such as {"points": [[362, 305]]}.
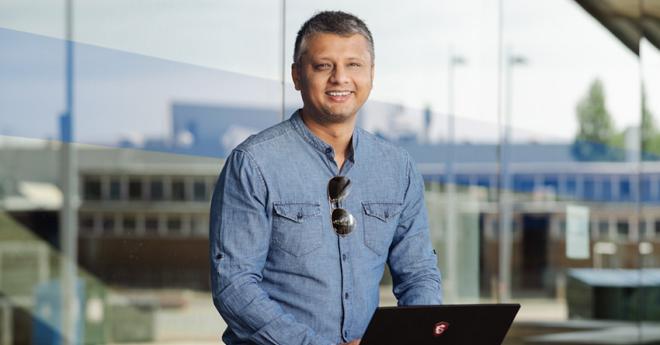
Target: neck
{"points": [[337, 135]]}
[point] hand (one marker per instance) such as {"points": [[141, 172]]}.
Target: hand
{"points": [[354, 342]]}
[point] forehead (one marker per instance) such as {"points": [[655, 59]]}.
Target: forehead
{"points": [[327, 45]]}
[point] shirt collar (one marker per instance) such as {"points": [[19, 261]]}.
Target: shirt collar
{"points": [[316, 142]]}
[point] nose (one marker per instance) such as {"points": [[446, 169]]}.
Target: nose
{"points": [[339, 75]]}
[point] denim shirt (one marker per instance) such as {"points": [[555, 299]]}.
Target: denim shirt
{"points": [[279, 272]]}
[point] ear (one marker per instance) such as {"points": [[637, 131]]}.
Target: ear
{"points": [[295, 75]]}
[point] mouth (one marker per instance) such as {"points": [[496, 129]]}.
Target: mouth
{"points": [[339, 95]]}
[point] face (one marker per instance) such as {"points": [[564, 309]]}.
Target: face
{"points": [[334, 76]]}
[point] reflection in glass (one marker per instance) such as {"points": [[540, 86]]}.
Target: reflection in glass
{"points": [[197, 89]]}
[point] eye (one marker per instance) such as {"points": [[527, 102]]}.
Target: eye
{"points": [[322, 66], [355, 64]]}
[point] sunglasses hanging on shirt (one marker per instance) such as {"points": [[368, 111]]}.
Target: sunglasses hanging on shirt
{"points": [[338, 189]]}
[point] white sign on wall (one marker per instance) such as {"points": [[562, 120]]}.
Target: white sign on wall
{"points": [[577, 232]]}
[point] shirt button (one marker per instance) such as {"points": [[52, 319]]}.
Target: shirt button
{"points": [[345, 334], [346, 295], [328, 150], [343, 257]]}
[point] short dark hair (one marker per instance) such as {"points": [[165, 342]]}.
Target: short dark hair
{"points": [[332, 22]]}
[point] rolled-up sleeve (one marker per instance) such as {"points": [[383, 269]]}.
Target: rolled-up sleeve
{"points": [[412, 259], [239, 240]]}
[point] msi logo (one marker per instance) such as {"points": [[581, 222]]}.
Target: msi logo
{"points": [[440, 328]]}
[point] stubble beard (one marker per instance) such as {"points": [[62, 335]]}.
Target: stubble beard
{"points": [[327, 116]]}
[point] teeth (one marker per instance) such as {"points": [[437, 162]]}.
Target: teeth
{"points": [[339, 93]]}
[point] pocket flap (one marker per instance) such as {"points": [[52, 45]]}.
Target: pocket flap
{"points": [[297, 212], [382, 210]]}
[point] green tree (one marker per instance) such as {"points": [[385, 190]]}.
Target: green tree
{"points": [[650, 136], [596, 133]]}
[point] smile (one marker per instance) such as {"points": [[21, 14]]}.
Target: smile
{"points": [[338, 93]]}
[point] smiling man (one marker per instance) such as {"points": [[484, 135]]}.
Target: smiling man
{"points": [[306, 214]]}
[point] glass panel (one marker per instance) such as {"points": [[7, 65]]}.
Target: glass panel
{"points": [[572, 125], [649, 246], [509, 136], [142, 92]]}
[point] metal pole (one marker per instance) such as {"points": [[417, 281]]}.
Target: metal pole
{"points": [[68, 215], [505, 241], [450, 220], [501, 288]]}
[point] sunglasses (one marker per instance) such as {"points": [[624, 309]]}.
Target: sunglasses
{"points": [[342, 221]]}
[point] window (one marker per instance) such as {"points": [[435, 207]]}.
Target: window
{"points": [[199, 190], [156, 189], [86, 223], [589, 188], [178, 190], [92, 188], [174, 225], [551, 183], [622, 229], [108, 225], [646, 188], [129, 225], [462, 180], [624, 188], [483, 181], [135, 188], [523, 183], [606, 189], [604, 229], [115, 189], [151, 225], [571, 186], [642, 229]]}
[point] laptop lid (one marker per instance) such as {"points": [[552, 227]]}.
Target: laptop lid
{"points": [[458, 324]]}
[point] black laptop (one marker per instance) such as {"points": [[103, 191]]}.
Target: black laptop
{"points": [[458, 324]]}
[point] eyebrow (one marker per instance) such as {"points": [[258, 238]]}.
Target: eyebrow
{"points": [[324, 59]]}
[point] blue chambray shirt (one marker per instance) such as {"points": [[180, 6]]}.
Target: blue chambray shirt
{"points": [[279, 272]]}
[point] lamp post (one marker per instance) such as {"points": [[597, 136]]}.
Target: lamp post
{"points": [[68, 222], [451, 284], [506, 196]]}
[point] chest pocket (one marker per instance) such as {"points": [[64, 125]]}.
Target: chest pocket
{"points": [[297, 227], [380, 222]]}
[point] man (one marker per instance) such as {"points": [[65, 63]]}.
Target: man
{"points": [[306, 213]]}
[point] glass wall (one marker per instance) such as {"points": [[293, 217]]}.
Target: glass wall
{"points": [[532, 123], [649, 237]]}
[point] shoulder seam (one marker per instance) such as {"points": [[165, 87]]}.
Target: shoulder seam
{"points": [[254, 161], [244, 146]]}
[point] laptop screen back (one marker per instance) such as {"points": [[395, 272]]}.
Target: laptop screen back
{"points": [[483, 324]]}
